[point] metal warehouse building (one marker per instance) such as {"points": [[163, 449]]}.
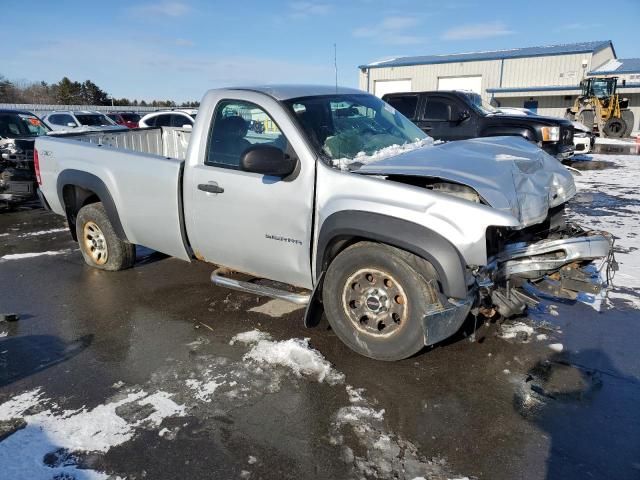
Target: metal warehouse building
{"points": [[543, 79]]}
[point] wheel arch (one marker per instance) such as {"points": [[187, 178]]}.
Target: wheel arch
{"points": [[76, 189], [345, 228]]}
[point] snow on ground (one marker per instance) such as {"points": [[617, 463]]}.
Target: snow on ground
{"points": [[20, 256], [295, 355], [47, 444], [609, 200], [614, 141], [44, 232]]}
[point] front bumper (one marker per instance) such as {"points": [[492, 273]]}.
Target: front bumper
{"points": [[534, 260], [582, 144], [559, 150]]}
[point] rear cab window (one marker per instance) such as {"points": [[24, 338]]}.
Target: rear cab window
{"points": [[407, 105]]}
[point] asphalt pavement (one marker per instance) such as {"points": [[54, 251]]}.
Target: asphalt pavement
{"points": [[151, 353]]}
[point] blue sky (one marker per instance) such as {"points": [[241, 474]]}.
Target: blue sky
{"points": [[176, 49]]}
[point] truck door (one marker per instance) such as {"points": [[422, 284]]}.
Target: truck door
{"points": [[444, 118], [246, 221]]}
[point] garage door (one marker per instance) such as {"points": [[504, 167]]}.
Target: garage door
{"points": [[382, 87], [473, 84]]}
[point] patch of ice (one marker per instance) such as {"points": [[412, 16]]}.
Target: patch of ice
{"points": [[296, 355], [541, 337], [252, 336], [50, 430], [20, 256], [44, 232], [391, 151], [3, 334], [356, 395], [252, 460], [204, 390], [516, 330], [556, 347]]}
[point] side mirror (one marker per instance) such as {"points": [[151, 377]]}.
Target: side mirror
{"points": [[464, 115], [71, 124], [267, 160]]}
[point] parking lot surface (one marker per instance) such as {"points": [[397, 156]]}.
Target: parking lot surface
{"points": [[154, 373]]}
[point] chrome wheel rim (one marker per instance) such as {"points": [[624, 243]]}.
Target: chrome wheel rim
{"points": [[95, 244], [375, 302]]}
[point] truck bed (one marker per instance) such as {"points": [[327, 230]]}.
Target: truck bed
{"points": [[140, 169]]}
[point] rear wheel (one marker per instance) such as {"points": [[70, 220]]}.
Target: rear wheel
{"points": [[615, 128], [100, 246], [375, 301]]}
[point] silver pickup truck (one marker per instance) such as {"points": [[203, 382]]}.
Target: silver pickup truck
{"points": [[330, 198]]}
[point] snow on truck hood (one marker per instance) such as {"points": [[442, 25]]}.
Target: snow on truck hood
{"points": [[509, 173]]}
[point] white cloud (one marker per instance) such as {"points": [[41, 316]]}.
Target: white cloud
{"points": [[394, 30], [477, 31], [308, 9], [163, 9]]}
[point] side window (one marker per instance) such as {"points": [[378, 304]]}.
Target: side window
{"points": [[238, 125], [405, 104], [180, 120], [61, 119], [163, 120], [437, 109], [151, 122]]}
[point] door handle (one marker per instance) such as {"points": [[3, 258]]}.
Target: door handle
{"points": [[210, 188]]}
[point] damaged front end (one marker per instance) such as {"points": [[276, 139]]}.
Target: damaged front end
{"points": [[17, 173], [554, 261]]}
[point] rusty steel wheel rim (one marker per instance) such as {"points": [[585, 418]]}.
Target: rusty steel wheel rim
{"points": [[375, 302], [94, 243]]}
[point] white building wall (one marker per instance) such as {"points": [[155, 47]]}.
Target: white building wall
{"points": [[425, 77], [599, 58], [544, 71]]}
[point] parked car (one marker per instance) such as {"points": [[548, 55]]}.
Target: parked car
{"points": [[345, 201], [458, 115], [169, 118], [60, 121], [18, 130], [583, 137], [126, 119]]}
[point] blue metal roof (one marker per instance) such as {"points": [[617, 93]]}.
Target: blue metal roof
{"points": [[618, 65], [583, 47]]}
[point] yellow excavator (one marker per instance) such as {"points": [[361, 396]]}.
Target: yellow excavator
{"points": [[599, 107]]}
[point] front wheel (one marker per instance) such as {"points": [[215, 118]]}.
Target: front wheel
{"points": [[375, 300], [100, 246]]}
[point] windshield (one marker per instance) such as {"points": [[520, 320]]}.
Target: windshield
{"points": [[93, 119], [342, 126], [14, 125], [481, 106]]}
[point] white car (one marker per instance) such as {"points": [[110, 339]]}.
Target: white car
{"points": [[169, 118], [83, 120]]}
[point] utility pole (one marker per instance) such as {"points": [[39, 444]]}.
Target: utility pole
{"points": [[335, 63]]}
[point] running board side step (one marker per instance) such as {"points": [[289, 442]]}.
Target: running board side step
{"points": [[219, 277]]}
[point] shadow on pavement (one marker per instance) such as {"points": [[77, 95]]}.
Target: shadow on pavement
{"points": [[23, 356], [588, 410]]}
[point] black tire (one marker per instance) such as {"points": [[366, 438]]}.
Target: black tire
{"points": [[586, 117], [629, 119], [614, 128], [100, 246], [380, 318]]}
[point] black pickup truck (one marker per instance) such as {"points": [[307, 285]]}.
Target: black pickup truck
{"points": [[18, 131], [459, 115]]}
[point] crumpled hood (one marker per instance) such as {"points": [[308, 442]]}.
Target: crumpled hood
{"points": [[509, 173]]}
